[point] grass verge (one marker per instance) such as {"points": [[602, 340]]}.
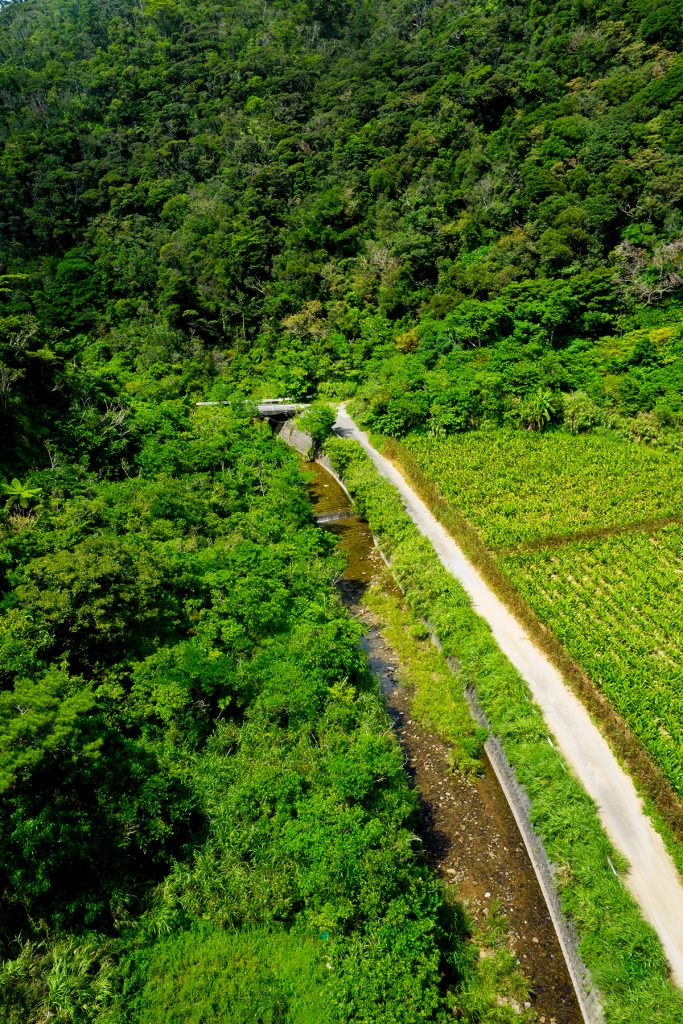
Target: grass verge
{"points": [[621, 951], [437, 701]]}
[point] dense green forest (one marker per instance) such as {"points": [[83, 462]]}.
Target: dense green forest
{"points": [[461, 213], [204, 815], [471, 209]]}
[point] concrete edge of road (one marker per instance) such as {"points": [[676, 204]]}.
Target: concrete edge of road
{"points": [[587, 996]]}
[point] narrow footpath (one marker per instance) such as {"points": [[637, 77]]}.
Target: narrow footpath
{"points": [[652, 878]]}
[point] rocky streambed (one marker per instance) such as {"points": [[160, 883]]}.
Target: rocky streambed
{"points": [[469, 833]]}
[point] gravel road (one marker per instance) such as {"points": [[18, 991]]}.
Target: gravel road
{"points": [[652, 879]]}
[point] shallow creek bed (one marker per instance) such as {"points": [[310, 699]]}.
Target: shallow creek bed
{"points": [[469, 833]]}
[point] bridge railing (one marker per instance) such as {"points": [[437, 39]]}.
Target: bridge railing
{"points": [[270, 405]]}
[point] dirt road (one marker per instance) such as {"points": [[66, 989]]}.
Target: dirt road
{"points": [[652, 879]]}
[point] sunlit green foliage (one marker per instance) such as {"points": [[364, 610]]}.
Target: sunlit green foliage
{"points": [[517, 487], [437, 698], [197, 768], [579, 525], [587, 528], [621, 951], [299, 193], [616, 605], [210, 975], [467, 215], [318, 421]]}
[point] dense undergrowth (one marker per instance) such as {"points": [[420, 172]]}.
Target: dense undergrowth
{"points": [[204, 810], [468, 212], [621, 952]]}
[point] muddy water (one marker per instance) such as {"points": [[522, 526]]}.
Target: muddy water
{"points": [[354, 536], [469, 833]]}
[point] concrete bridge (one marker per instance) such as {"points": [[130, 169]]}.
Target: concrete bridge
{"points": [[272, 408], [280, 410]]}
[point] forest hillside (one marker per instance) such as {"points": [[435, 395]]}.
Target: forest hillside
{"points": [[474, 210], [465, 216]]}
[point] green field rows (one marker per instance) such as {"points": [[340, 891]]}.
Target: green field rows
{"points": [[617, 606], [614, 601], [516, 486]]}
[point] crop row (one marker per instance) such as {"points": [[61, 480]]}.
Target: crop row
{"points": [[617, 606], [515, 486], [610, 621]]}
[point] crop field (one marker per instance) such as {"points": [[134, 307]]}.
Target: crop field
{"points": [[617, 606], [516, 486], [614, 598]]}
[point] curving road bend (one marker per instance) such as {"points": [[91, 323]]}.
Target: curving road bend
{"points": [[652, 878]]}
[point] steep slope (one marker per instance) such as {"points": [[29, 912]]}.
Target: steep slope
{"points": [[306, 190]]}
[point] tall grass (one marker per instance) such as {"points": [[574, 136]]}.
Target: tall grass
{"points": [[211, 975]]}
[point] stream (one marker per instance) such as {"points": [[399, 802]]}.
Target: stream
{"points": [[469, 833]]}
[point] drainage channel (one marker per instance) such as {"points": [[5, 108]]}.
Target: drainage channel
{"points": [[469, 833]]}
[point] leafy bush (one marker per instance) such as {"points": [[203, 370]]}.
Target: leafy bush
{"points": [[580, 413], [317, 421]]}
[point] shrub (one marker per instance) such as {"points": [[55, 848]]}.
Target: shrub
{"points": [[580, 412], [317, 421]]}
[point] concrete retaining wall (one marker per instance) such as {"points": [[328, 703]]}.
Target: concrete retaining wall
{"points": [[518, 801], [296, 438], [515, 794]]}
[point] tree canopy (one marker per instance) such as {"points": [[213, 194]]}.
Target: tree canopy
{"points": [[459, 214], [305, 196]]}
